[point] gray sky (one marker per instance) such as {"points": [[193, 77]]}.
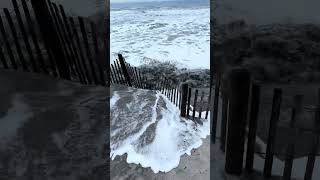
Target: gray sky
{"points": [[121, 1]]}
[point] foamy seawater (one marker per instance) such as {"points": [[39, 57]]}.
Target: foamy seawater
{"points": [[164, 33], [147, 127]]}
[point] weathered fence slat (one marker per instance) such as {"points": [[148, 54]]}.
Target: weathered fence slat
{"points": [[215, 110], [174, 96], [139, 78], [195, 104], [72, 45], [118, 72], [34, 37], [201, 104], [288, 162], [24, 36], [79, 48], [224, 119], [209, 101], [3, 59], [275, 112], [239, 80], [66, 38], [314, 150], [61, 37], [114, 77], [311, 160], [189, 102], [124, 70], [180, 98], [177, 96], [8, 47], [96, 50], [86, 45], [16, 40], [115, 74], [254, 112], [51, 39]]}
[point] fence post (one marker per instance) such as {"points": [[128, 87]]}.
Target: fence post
{"points": [[3, 59], [76, 39], [25, 36], [189, 101], [87, 47], [16, 39], [7, 43], [201, 104], [51, 38], [33, 36], [314, 150], [275, 112], [288, 162], [209, 101], [184, 99], [195, 104], [254, 111], [96, 50], [238, 107], [214, 116], [311, 160], [124, 69]]}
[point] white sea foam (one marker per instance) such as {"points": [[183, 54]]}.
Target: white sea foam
{"points": [[181, 35], [174, 137]]}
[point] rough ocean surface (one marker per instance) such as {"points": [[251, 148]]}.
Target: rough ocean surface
{"points": [[178, 34], [51, 129], [148, 128]]}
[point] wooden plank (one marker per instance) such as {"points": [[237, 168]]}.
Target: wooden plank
{"points": [[87, 47], [174, 95], [96, 50], [275, 113], [51, 40], [315, 148], [113, 76], [80, 50], [132, 75], [70, 54], [177, 96], [239, 80], [311, 160], [61, 37], [189, 102], [180, 98], [124, 70], [288, 162], [195, 104], [137, 75], [16, 40], [215, 110], [24, 36], [3, 59], [122, 78], [8, 47], [201, 103], [209, 101], [116, 74], [62, 18], [253, 121], [34, 37], [224, 121]]}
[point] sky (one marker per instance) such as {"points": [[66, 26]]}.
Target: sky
{"points": [[126, 1]]}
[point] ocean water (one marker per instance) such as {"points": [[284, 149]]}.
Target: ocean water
{"points": [[150, 131], [176, 32]]}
